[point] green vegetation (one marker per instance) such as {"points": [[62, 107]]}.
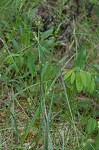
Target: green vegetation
{"points": [[49, 75]]}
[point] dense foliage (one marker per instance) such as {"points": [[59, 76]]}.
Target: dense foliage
{"points": [[49, 74]]}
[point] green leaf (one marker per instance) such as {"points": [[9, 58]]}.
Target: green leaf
{"points": [[68, 75], [50, 42], [97, 142], [46, 34], [96, 10], [44, 49], [81, 58], [75, 69], [92, 86], [88, 81], [15, 45], [21, 62], [30, 63], [91, 125], [95, 67], [72, 77], [79, 84], [93, 1], [32, 13], [10, 60], [83, 77]]}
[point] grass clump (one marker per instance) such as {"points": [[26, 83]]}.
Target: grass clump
{"points": [[49, 75]]}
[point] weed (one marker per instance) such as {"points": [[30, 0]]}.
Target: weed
{"points": [[49, 75]]}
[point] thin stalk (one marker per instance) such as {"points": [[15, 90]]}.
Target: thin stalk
{"points": [[67, 100]]}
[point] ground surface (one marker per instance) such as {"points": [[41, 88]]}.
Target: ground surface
{"points": [[40, 106]]}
